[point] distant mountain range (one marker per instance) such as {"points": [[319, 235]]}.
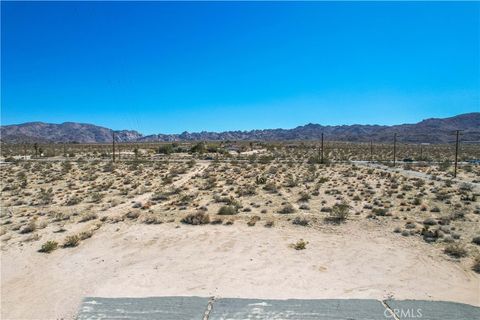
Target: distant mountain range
{"points": [[427, 131]]}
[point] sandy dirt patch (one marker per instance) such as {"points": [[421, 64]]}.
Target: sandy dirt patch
{"points": [[133, 260]]}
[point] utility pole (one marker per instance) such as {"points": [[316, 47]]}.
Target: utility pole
{"points": [[456, 153], [25, 151], [371, 150], [321, 156], [394, 148], [113, 146]]}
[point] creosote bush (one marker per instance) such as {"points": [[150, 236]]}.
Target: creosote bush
{"points": [[196, 218], [48, 246], [476, 264], [286, 209], [227, 210], [456, 250], [71, 241], [339, 213]]}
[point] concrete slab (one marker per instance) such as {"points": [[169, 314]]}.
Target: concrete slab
{"points": [[433, 310], [157, 308], [328, 309]]}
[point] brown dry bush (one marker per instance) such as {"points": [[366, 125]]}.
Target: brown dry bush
{"points": [[196, 218]]}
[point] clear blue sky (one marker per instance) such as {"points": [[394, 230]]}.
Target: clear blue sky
{"points": [[169, 67]]}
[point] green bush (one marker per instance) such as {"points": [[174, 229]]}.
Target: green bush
{"points": [[227, 210], [49, 246]]}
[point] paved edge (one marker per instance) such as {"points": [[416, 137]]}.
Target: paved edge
{"points": [[211, 308]]}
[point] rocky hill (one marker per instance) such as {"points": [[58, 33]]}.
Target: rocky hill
{"points": [[426, 131], [64, 132]]}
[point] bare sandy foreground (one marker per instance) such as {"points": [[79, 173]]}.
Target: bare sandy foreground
{"points": [[123, 260]]}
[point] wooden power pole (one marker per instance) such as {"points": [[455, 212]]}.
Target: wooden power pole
{"points": [[394, 148], [457, 132], [321, 156], [113, 146], [371, 150]]}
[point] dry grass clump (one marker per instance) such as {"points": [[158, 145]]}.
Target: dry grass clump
{"points": [[269, 223], [87, 217], [71, 241], [476, 264], [49, 246], [301, 221], [253, 220], [300, 245], [286, 209], [476, 240], [456, 250], [196, 218], [152, 219]]}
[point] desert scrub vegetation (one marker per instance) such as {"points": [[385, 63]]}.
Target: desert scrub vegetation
{"points": [[228, 210], [456, 250], [48, 246], [476, 264], [71, 241], [300, 245], [196, 218], [339, 213], [287, 209]]}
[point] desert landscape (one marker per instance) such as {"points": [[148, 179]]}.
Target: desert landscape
{"points": [[238, 160], [269, 220]]}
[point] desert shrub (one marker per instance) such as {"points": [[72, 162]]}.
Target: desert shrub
{"points": [[456, 250], [247, 190], [132, 215], [108, 167], [96, 197], [253, 220], [466, 186], [191, 163], [165, 149], [151, 219], [340, 212], [66, 166], [286, 209], [216, 221], [228, 210], [87, 217], [429, 222], [301, 221], [300, 245], [380, 211], [444, 165], [476, 264], [85, 234], [269, 223], [291, 182], [260, 180], [476, 240], [159, 196], [304, 196], [73, 201], [46, 196], [71, 241], [30, 227], [270, 187], [48, 246], [196, 218]]}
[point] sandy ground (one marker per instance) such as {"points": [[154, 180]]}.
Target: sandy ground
{"points": [[131, 260]]}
